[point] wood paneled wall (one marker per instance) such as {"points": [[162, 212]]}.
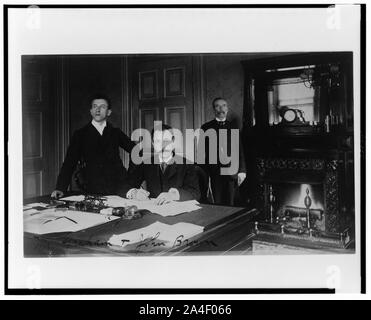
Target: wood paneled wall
{"points": [[80, 76]]}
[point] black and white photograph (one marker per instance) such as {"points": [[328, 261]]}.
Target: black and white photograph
{"points": [[184, 147]]}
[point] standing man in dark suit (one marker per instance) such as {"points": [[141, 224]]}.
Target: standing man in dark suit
{"points": [[167, 176], [96, 145], [224, 186]]}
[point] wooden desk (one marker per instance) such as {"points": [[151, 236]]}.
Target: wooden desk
{"points": [[226, 230]]}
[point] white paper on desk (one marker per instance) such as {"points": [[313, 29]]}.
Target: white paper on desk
{"points": [[36, 204], [157, 234], [74, 198], [169, 209], [50, 221], [116, 201], [174, 208], [31, 212]]}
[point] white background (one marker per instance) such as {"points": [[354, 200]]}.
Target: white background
{"points": [[92, 31]]}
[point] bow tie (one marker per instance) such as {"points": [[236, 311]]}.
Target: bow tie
{"points": [[221, 123]]}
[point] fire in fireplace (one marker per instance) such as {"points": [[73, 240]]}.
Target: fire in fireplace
{"points": [[291, 201]]}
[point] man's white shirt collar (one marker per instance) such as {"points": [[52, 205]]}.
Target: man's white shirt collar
{"points": [[99, 125], [161, 159], [221, 120]]}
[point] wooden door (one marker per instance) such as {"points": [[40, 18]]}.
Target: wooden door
{"points": [[38, 126], [163, 91]]}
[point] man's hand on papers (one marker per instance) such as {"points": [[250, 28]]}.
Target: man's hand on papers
{"points": [[140, 194], [166, 197], [56, 194]]}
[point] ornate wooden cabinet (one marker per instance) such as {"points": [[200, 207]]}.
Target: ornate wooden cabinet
{"points": [[298, 134]]}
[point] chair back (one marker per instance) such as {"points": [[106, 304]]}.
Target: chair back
{"points": [[203, 181]]}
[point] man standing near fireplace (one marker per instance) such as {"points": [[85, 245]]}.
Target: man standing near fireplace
{"points": [[224, 187]]}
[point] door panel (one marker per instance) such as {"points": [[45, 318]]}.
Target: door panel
{"points": [[174, 84], [32, 184], [162, 91], [148, 85], [176, 118], [38, 126], [146, 118], [33, 88], [32, 143]]}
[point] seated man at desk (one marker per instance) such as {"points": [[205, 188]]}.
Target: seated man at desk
{"points": [[168, 177], [97, 146]]}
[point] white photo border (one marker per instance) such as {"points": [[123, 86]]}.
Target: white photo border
{"points": [[81, 31]]}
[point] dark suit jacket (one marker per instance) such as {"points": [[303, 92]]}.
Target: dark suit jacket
{"points": [[180, 176], [104, 170], [214, 169]]}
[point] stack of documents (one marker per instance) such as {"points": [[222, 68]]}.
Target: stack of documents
{"points": [[157, 235]]}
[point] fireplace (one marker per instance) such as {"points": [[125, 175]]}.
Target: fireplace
{"points": [[299, 145], [300, 197], [292, 202]]}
